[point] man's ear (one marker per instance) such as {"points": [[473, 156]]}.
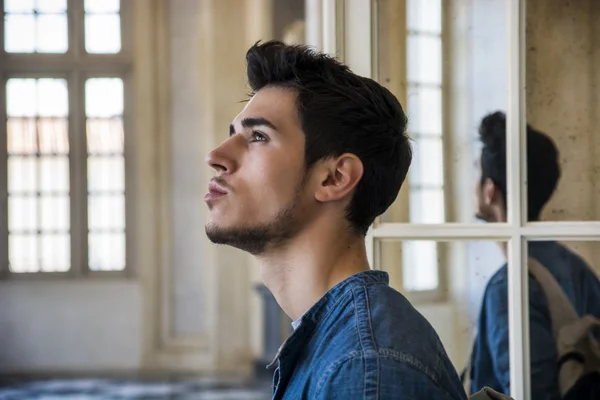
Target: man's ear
{"points": [[490, 192], [338, 177]]}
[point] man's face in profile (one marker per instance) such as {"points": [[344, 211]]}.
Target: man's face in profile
{"points": [[480, 201], [257, 197]]}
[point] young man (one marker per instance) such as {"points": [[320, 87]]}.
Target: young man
{"points": [[490, 364], [317, 153]]}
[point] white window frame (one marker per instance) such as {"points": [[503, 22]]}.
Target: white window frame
{"points": [[76, 66], [361, 55]]}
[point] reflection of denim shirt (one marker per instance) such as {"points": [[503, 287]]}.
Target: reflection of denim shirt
{"points": [[363, 340], [490, 356]]}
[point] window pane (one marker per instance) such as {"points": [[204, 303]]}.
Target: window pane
{"points": [[23, 253], [22, 174], [424, 59], [427, 165], [105, 136], [54, 174], [55, 255], [427, 206], [102, 6], [54, 213], [563, 106], [53, 135], [19, 33], [424, 15], [21, 136], [103, 33], [106, 174], [106, 212], [457, 270], [52, 6], [425, 110], [22, 213], [107, 251], [21, 97], [52, 98], [104, 97], [18, 6], [52, 33]]}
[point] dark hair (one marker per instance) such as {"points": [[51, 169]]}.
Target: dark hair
{"points": [[543, 170], [341, 112]]}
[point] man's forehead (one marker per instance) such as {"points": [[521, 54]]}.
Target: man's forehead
{"points": [[272, 103]]}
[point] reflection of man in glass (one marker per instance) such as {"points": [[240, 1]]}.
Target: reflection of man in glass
{"points": [[490, 362]]}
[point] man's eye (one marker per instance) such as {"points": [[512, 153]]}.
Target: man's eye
{"points": [[258, 137]]}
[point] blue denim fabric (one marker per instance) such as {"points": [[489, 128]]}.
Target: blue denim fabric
{"points": [[364, 340], [490, 362]]}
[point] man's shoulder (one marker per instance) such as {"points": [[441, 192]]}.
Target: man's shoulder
{"points": [[390, 329], [377, 333], [385, 374]]}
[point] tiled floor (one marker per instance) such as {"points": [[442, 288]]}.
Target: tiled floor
{"points": [[96, 389]]}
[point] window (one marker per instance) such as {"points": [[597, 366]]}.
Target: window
{"points": [[424, 108], [64, 67]]}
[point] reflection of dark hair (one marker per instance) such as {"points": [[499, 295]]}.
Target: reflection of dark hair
{"points": [[543, 170], [341, 112]]}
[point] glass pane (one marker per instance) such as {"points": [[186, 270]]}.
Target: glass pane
{"points": [[55, 255], [52, 33], [106, 212], [106, 174], [424, 59], [427, 206], [23, 253], [107, 251], [424, 15], [20, 97], [474, 85], [18, 6], [445, 282], [22, 174], [54, 213], [102, 6], [52, 6], [54, 174], [105, 136], [103, 33], [21, 138], [563, 111], [53, 135], [104, 97], [19, 33], [22, 213], [425, 110], [428, 162], [52, 98], [575, 267]]}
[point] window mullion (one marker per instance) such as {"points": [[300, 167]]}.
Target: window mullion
{"points": [[77, 173], [76, 28], [3, 178]]}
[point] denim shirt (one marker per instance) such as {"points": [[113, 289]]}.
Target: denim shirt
{"points": [[490, 362], [364, 340]]}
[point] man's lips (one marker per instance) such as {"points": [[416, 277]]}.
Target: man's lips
{"points": [[215, 191]]}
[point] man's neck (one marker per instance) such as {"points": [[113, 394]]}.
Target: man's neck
{"points": [[303, 271]]}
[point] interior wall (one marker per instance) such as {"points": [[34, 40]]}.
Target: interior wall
{"points": [[70, 326]]}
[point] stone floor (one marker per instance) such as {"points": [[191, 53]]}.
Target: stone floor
{"points": [[95, 389]]}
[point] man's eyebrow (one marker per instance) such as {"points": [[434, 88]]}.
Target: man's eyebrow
{"points": [[251, 122]]}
